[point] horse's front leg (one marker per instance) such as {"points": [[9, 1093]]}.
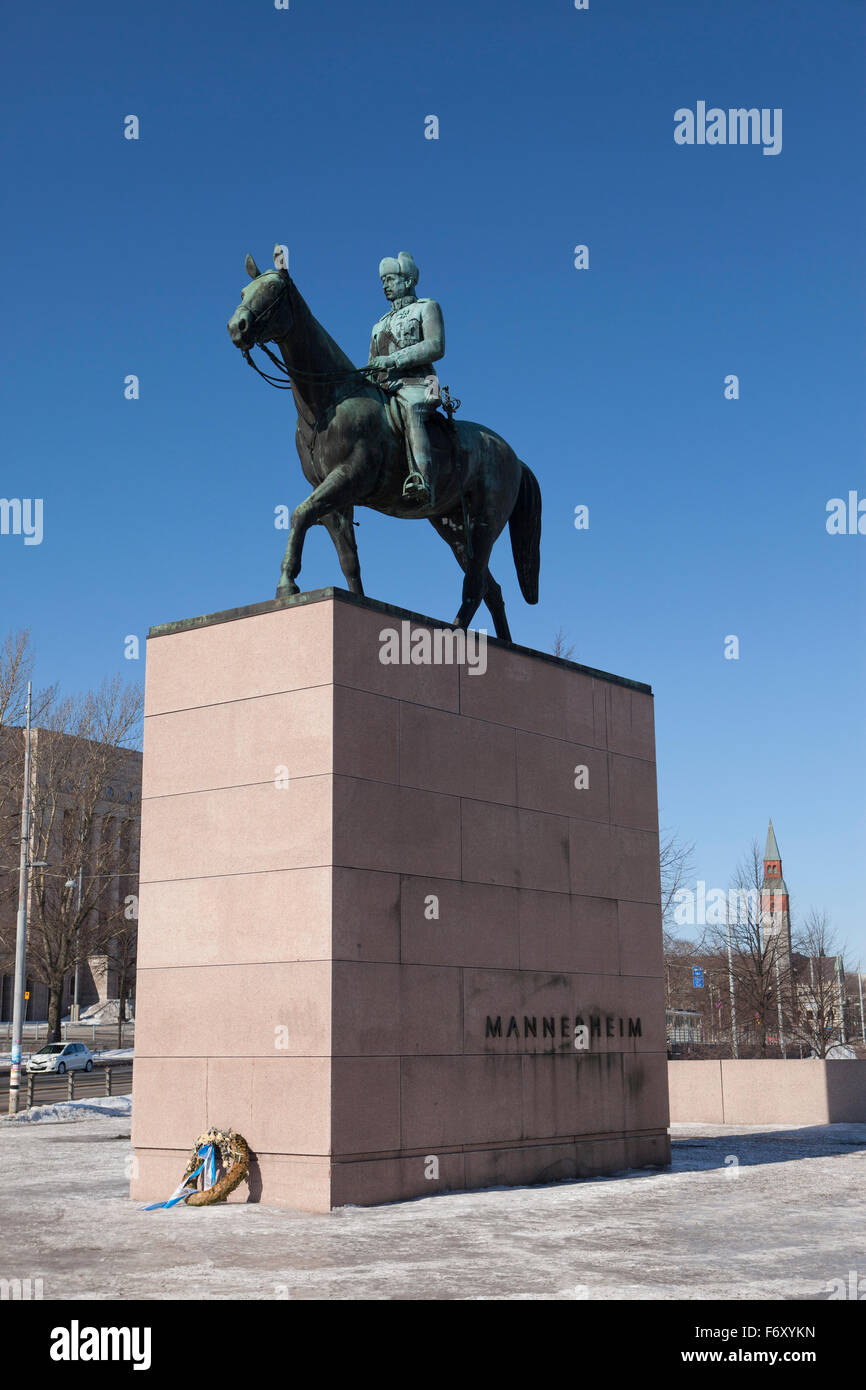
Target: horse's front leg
{"points": [[339, 488], [291, 566]]}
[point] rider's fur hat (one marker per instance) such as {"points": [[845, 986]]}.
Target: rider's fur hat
{"points": [[402, 265]]}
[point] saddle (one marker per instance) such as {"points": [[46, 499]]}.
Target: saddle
{"points": [[441, 430]]}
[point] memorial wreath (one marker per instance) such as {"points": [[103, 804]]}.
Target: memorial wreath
{"points": [[235, 1155]]}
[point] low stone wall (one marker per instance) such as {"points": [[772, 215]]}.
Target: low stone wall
{"points": [[769, 1092]]}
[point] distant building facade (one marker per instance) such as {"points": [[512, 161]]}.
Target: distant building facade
{"points": [[822, 1003], [683, 1026], [114, 838]]}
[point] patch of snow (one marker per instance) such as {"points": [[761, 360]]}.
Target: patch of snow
{"points": [[64, 1110], [106, 1012]]}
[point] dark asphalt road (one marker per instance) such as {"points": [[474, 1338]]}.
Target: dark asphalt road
{"points": [[50, 1088]]}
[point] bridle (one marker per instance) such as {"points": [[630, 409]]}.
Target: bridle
{"points": [[283, 381]]}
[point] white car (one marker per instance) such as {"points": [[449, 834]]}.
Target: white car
{"points": [[61, 1057]]}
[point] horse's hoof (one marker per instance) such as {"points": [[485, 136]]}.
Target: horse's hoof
{"points": [[287, 590]]}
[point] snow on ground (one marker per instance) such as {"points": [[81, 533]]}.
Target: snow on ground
{"points": [[767, 1213], [70, 1110], [106, 1012]]}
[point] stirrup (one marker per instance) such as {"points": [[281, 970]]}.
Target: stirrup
{"points": [[415, 488]]}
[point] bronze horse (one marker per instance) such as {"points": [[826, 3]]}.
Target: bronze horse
{"points": [[352, 452]]}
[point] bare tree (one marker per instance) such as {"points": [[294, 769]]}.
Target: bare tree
{"points": [[676, 860], [681, 956], [760, 961], [817, 1020], [705, 1008], [121, 957], [16, 665], [16, 669], [83, 802], [559, 645]]}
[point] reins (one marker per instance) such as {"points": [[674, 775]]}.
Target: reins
{"points": [[287, 371]]}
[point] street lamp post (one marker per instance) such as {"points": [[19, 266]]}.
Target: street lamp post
{"points": [[70, 883], [734, 1041], [779, 1002], [21, 928], [840, 985]]}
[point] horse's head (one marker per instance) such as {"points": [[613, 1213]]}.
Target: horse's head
{"points": [[265, 310]]}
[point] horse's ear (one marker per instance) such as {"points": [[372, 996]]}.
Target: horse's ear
{"points": [[251, 268]]}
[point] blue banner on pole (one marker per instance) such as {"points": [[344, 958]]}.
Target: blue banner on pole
{"points": [[697, 977]]}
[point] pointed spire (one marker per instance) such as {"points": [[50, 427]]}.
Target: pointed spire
{"points": [[771, 852], [773, 864]]}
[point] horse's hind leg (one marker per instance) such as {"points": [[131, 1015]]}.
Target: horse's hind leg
{"points": [[340, 528], [474, 582], [474, 575], [451, 530], [496, 605]]}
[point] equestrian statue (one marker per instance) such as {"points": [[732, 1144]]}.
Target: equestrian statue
{"points": [[375, 437]]}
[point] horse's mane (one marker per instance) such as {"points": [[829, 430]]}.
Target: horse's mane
{"points": [[328, 355]]}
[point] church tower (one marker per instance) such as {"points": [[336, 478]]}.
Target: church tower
{"points": [[775, 910]]}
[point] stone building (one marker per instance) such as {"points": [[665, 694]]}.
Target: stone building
{"points": [[71, 778], [775, 904]]}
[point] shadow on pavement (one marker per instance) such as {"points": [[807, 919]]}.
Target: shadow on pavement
{"points": [[692, 1153]]}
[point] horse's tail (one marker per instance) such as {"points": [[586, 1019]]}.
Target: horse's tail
{"points": [[525, 527]]}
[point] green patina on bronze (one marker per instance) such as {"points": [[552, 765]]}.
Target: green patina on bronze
{"points": [[352, 432]]}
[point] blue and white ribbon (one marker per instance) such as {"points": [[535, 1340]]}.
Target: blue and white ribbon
{"points": [[207, 1167]]}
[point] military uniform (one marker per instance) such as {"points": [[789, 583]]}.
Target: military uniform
{"points": [[412, 336]]}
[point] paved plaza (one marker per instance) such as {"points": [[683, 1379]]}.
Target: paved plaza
{"points": [[769, 1213]]}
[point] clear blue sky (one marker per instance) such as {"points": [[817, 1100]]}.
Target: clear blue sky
{"points": [[306, 126]]}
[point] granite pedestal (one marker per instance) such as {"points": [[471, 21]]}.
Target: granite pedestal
{"points": [[380, 904]]}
